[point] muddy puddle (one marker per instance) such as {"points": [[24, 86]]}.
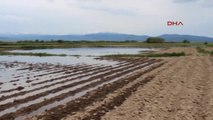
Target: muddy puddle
{"points": [[32, 85]]}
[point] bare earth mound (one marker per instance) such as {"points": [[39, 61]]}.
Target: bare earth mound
{"points": [[180, 90]]}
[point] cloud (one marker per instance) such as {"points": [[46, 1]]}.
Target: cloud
{"points": [[75, 0], [122, 16], [14, 18], [200, 2], [103, 6], [90, 0], [50, 0], [109, 10], [183, 1]]}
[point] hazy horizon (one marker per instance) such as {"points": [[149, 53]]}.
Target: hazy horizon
{"points": [[138, 17]]}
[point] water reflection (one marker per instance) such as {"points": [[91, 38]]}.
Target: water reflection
{"points": [[83, 55]]}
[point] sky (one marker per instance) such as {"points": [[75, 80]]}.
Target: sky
{"points": [[141, 17]]}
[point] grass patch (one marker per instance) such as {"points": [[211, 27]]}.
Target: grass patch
{"points": [[31, 54], [29, 45], [210, 44], [174, 54], [77, 44], [202, 50]]}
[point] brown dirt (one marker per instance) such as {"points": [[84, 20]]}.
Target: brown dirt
{"points": [[187, 50], [136, 67], [99, 95], [209, 48], [181, 90], [171, 88]]}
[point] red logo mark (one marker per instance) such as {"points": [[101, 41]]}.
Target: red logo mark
{"points": [[174, 23]]}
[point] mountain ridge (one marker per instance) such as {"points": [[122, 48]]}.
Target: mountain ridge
{"points": [[103, 36]]}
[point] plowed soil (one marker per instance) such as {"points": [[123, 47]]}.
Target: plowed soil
{"points": [[181, 89], [51, 92], [171, 88]]}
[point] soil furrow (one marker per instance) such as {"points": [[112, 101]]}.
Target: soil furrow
{"points": [[62, 96], [70, 108], [16, 102]]}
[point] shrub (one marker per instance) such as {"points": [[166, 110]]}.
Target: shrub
{"points": [[174, 54], [155, 40], [186, 41], [60, 41]]}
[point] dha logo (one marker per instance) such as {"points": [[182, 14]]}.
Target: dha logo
{"points": [[174, 23]]}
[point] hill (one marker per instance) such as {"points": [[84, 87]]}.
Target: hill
{"points": [[103, 36], [178, 38]]}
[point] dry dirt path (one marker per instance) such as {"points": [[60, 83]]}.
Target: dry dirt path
{"points": [[184, 91]]}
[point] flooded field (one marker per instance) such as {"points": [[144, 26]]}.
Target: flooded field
{"points": [[89, 51], [42, 87], [75, 55]]}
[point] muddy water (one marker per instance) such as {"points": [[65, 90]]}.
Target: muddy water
{"points": [[88, 51], [13, 78], [77, 95], [40, 79], [125, 67], [32, 73], [67, 60], [78, 55], [48, 88], [75, 79]]}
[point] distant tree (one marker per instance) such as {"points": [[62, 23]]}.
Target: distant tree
{"points": [[130, 41], [60, 41], [155, 40], [186, 41], [205, 43]]}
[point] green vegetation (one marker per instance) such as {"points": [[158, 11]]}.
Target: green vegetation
{"points": [[174, 54], [155, 40], [210, 44], [202, 50], [31, 54], [40, 44], [186, 41]]}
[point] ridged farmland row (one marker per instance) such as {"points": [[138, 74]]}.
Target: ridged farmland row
{"points": [[49, 87]]}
